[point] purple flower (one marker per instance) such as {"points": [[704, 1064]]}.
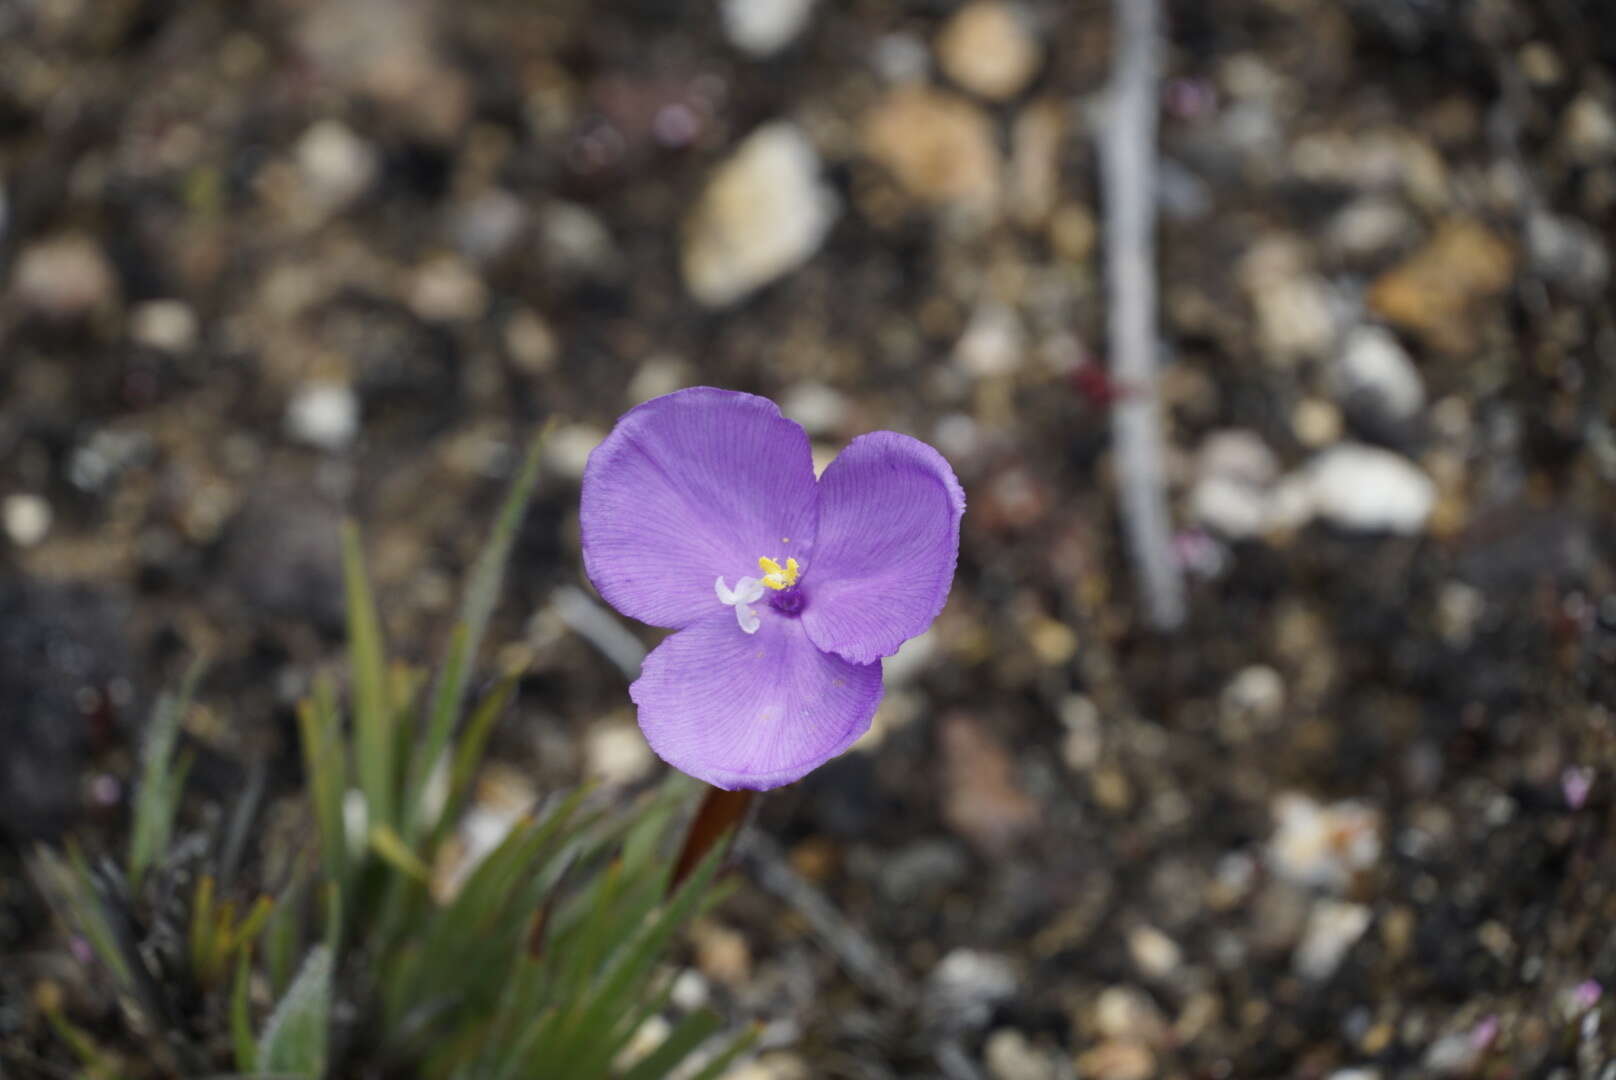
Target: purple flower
{"points": [[700, 512]]}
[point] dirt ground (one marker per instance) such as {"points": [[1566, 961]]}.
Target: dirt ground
{"points": [[266, 263]]}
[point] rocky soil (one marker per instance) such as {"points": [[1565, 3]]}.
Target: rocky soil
{"points": [[265, 264]]}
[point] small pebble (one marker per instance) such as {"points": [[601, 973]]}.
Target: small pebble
{"points": [[765, 212], [1322, 846], [1257, 691], [1372, 367], [166, 325], [446, 289], [27, 518], [941, 148], [989, 49], [818, 408], [1156, 955], [1367, 489], [568, 449], [617, 755], [1010, 1055], [337, 166], [64, 277], [993, 344], [324, 415], [762, 28], [1333, 927]]}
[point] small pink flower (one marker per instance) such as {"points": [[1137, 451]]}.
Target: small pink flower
{"points": [[1575, 783]]}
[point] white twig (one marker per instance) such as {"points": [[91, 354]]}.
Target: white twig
{"points": [[1128, 162]]}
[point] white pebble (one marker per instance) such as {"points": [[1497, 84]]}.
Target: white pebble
{"points": [[27, 518], [1322, 846], [761, 28], [323, 414], [993, 344], [764, 213], [166, 325], [815, 406], [616, 754], [337, 165], [1367, 489], [1372, 365], [1333, 927]]}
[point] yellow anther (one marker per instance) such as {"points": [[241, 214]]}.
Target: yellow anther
{"points": [[776, 576]]}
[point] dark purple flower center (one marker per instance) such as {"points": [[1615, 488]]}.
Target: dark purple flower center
{"points": [[789, 601]]}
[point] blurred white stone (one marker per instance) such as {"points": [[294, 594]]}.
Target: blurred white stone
{"points": [[64, 277], [994, 342], [489, 224], [531, 342], [1010, 1055], [989, 49], [1294, 319], [690, 990], [568, 449], [1568, 252], [1322, 846], [1257, 691], [27, 518], [1233, 471], [337, 166], [966, 984], [323, 414], [446, 289], [575, 241], [1590, 128], [1370, 226], [657, 376], [1156, 955], [764, 213], [763, 27], [1333, 927], [1367, 489], [817, 407], [166, 325], [1371, 363], [617, 754]]}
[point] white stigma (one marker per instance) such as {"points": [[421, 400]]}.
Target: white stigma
{"points": [[747, 591]]}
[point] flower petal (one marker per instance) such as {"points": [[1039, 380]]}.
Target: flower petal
{"points": [[889, 514], [751, 711], [688, 487]]}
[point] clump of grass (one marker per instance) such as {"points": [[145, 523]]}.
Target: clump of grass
{"points": [[545, 961]]}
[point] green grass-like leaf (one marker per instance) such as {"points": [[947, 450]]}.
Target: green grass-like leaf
{"points": [[373, 708], [295, 1039], [157, 799]]}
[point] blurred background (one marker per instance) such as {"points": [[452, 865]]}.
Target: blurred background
{"points": [[263, 264]]}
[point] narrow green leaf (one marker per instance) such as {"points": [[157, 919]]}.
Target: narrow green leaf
{"points": [[440, 728], [202, 924], [468, 753], [241, 1014], [387, 843], [690, 1033], [720, 1064], [325, 768], [157, 799], [295, 1039], [476, 608], [373, 709]]}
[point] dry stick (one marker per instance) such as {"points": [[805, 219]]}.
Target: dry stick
{"points": [[1128, 161]]}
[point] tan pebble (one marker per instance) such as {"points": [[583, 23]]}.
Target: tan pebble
{"points": [[988, 48], [1117, 1060], [939, 146]]}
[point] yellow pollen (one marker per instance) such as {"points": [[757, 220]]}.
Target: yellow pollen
{"points": [[778, 577]]}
